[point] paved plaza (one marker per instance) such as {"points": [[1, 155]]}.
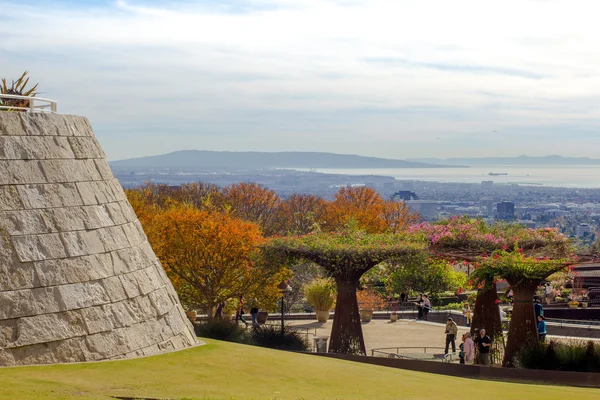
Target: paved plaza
{"points": [[383, 333]]}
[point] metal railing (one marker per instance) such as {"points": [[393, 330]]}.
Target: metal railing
{"points": [[28, 104], [380, 350]]}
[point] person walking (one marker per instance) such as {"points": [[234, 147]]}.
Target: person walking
{"points": [[254, 315], [469, 349], [541, 328], [402, 298], [467, 313], [451, 332], [483, 345], [426, 306], [219, 311], [239, 316]]}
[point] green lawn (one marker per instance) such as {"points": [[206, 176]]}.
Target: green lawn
{"points": [[222, 370]]}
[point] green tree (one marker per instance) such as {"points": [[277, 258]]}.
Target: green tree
{"points": [[425, 274]]}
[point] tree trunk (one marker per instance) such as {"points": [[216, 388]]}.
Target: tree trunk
{"points": [[346, 333], [523, 326], [486, 313]]}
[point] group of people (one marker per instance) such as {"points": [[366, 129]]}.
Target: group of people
{"points": [[239, 314], [423, 306], [467, 347]]}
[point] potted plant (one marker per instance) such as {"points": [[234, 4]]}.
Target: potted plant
{"points": [[320, 293], [394, 316], [573, 304], [368, 301], [191, 314]]}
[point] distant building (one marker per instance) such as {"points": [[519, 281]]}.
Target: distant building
{"points": [[487, 207], [405, 195], [505, 211], [527, 223], [487, 184], [582, 230], [426, 208]]}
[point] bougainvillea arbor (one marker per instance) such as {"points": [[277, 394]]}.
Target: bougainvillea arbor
{"points": [[523, 257], [345, 257], [524, 274]]}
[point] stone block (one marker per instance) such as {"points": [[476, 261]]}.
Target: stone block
{"points": [[67, 219], [130, 284], [96, 320], [70, 270], [133, 234], [8, 333], [61, 171], [98, 192], [141, 277], [115, 210], [13, 124], [113, 238], [97, 216], [20, 171], [9, 198], [28, 302], [86, 147], [81, 295], [28, 222], [49, 328], [114, 288], [82, 243], [49, 195], [34, 148], [39, 247], [104, 169]]}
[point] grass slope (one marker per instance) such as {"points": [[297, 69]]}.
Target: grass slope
{"points": [[221, 370]]}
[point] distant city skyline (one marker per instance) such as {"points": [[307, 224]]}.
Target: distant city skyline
{"points": [[386, 78]]}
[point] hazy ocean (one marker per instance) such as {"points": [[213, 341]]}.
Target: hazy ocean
{"points": [[562, 176]]}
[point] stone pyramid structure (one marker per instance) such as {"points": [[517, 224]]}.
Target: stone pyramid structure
{"points": [[78, 279]]}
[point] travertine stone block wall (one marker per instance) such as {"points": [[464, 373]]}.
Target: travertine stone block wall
{"points": [[78, 279]]}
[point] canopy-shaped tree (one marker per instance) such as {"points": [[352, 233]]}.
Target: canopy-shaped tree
{"points": [[345, 257], [467, 239], [524, 274]]}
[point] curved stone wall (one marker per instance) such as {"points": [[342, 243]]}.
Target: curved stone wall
{"points": [[78, 279]]}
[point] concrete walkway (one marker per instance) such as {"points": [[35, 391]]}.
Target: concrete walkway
{"points": [[383, 333]]}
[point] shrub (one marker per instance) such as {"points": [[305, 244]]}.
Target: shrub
{"points": [[452, 306], [222, 330], [368, 299], [320, 293], [270, 336], [572, 356]]}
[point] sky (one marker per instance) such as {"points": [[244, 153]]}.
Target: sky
{"points": [[386, 78]]}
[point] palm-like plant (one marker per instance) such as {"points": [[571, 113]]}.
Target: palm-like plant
{"points": [[17, 87]]}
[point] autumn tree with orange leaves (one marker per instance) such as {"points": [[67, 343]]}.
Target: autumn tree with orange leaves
{"points": [[301, 213], [211, 257], [253, 202], [364, 207]]}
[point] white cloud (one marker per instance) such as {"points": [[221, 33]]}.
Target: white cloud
{"points": [[372, 77]]}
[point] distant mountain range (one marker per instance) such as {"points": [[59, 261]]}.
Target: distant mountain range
{"points": [[211, 160], [508, 161]]}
